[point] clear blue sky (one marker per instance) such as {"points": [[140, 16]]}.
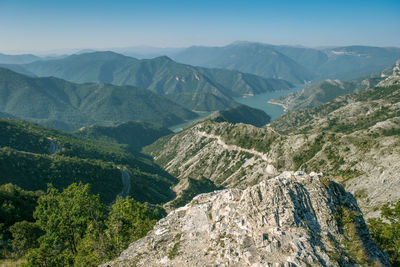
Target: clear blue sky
{"points": [[54, 24]]}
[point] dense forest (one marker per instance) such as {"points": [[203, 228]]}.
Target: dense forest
{"points": [[71, 227], [59, 198]]}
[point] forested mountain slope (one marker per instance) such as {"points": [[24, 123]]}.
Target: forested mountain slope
{"points": [[135, 134], [193, 87], [69, 106], [33, 155], [242, 114]]}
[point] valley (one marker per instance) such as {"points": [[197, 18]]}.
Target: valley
{"points": [[334, 138], [274, 164]]}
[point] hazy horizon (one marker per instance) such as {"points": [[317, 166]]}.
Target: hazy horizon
{"points": [[146, 49], [45, 26]]}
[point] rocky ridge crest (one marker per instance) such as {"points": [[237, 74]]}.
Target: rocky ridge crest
{"points": [[293, 219], [393, 79]]}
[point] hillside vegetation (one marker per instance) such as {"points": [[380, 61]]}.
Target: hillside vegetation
{"points": [[70, 227], [195, 88], [353, 139], [69, 106], [60, 195], [26, 162], [327, 90], [135, 134], [242, 114]]}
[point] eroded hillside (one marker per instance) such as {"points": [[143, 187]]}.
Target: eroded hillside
{"points": [[291, 220], [354, 139]]}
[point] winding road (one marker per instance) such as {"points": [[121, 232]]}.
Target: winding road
{"points": [[234, 147], [53, 147], [126, 182], [126, 185]]}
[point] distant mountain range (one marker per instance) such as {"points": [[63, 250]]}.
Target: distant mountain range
{"points": [[295, 64], [6, 115], [292, 63], [18, 59], [257, 59], [66, 105], [327, 90], [195, 88], [26, 58]]}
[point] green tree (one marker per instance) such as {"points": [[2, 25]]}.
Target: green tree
{"points": [[65, 218], [24, 236], [94, 247], [386, 231], [48, 256], [128, 221]]}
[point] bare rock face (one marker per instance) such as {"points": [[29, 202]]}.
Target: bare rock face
{"points": [[294, 219], [393, 79]]}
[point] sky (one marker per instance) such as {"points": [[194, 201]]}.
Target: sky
{"points": [[59, 25]]}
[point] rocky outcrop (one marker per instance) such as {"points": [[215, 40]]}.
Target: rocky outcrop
{"points": [[393, 79], [294, 219]]}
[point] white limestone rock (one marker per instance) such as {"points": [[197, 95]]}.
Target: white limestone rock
{"points": [[293, 219]]}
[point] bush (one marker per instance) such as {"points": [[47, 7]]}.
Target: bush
{"points": [[386, 231]]}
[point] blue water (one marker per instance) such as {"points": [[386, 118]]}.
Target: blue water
{"points": [[180, 127], [260, 101]]}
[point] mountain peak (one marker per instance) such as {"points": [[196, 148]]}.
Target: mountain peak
{"points": [[248, 43], [393, 79], [163, 58], [108, 55], [294, 218]]}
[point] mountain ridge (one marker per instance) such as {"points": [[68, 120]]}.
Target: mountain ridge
{"points": [[264, 61], [293, 219], [28, 160], [70, 106], [327, 90], [349, 62], [193, 87], [135, 134]]}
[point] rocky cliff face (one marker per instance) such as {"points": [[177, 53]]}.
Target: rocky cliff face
{"points": [[291, 220], [393, 79]]}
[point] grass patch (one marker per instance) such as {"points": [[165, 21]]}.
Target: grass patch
{"points": [[175, 249], [352, 245], [12, 262]]}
